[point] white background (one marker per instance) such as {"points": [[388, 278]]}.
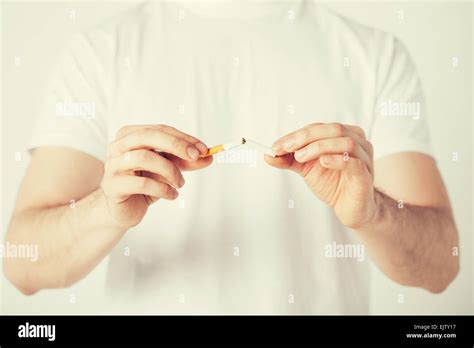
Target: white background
{"points": [[434, 32]]}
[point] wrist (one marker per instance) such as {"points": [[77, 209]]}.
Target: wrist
{"points": [[374, 212], [102, 213]]}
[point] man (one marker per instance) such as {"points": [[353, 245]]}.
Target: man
{"points": [[235, 237]]}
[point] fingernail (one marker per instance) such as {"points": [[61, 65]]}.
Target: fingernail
{"points": [[175, 193], [181, 182], [300, 154], [193, 152], [288, 143], [202, 148]]}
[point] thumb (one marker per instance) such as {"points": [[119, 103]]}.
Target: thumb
{"points": [[352, 165], [286, 161], [184, 165]]}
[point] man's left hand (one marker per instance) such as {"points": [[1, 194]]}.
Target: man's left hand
{"points": [[336, 162]]}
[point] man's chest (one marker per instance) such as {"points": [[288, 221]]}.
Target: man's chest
{"points": [[242, 88]]}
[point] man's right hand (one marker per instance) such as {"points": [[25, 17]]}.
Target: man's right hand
{"points": [[75, 209], [144, 164]]}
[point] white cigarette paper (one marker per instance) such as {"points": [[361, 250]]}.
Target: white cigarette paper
{"points": [[232, 144], [259, 147]]}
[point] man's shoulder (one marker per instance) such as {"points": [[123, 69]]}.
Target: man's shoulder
{"points": [[350, 33], [125, 23], [105, 39]]}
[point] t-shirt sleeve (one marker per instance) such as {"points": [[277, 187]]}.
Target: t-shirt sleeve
{"points": [[73, 104], [399, 123]]}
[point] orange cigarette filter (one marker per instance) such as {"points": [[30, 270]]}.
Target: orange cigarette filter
{"points": [[219, 148], [215, 149]]}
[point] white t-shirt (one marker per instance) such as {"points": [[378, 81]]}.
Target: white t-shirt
{"points": [[243, 237]]}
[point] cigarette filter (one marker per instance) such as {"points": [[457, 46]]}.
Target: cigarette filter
{"points": [[219, 148]]}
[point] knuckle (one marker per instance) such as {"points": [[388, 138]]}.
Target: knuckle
{"points": [[360, 131], [176, 174], [170, 172], [305, 134], [350, 144], [319, 147], [123, 130], [312, 128], [141, 137], [371, 148], [145, 132], [142, 183], [337, 129], [163, 128], [178, 143], [141, 156], [120, 132], [165, 190]]}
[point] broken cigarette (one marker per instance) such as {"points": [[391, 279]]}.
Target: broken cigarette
{"points": [[257, 146], [244, 141], [219, 148]]}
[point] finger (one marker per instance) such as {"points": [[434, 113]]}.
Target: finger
{"points": [[200, 163], [122, 187], [168, 129], [304, 136], [153, 139], [154, 176], [344, 145], [356, 130], [352, 165], [326, 131], [284, 162], [361, 138], [201, 146], [146, 160]]}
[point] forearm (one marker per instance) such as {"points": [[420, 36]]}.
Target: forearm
{"points": [[413, 245], [71, 241]]}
